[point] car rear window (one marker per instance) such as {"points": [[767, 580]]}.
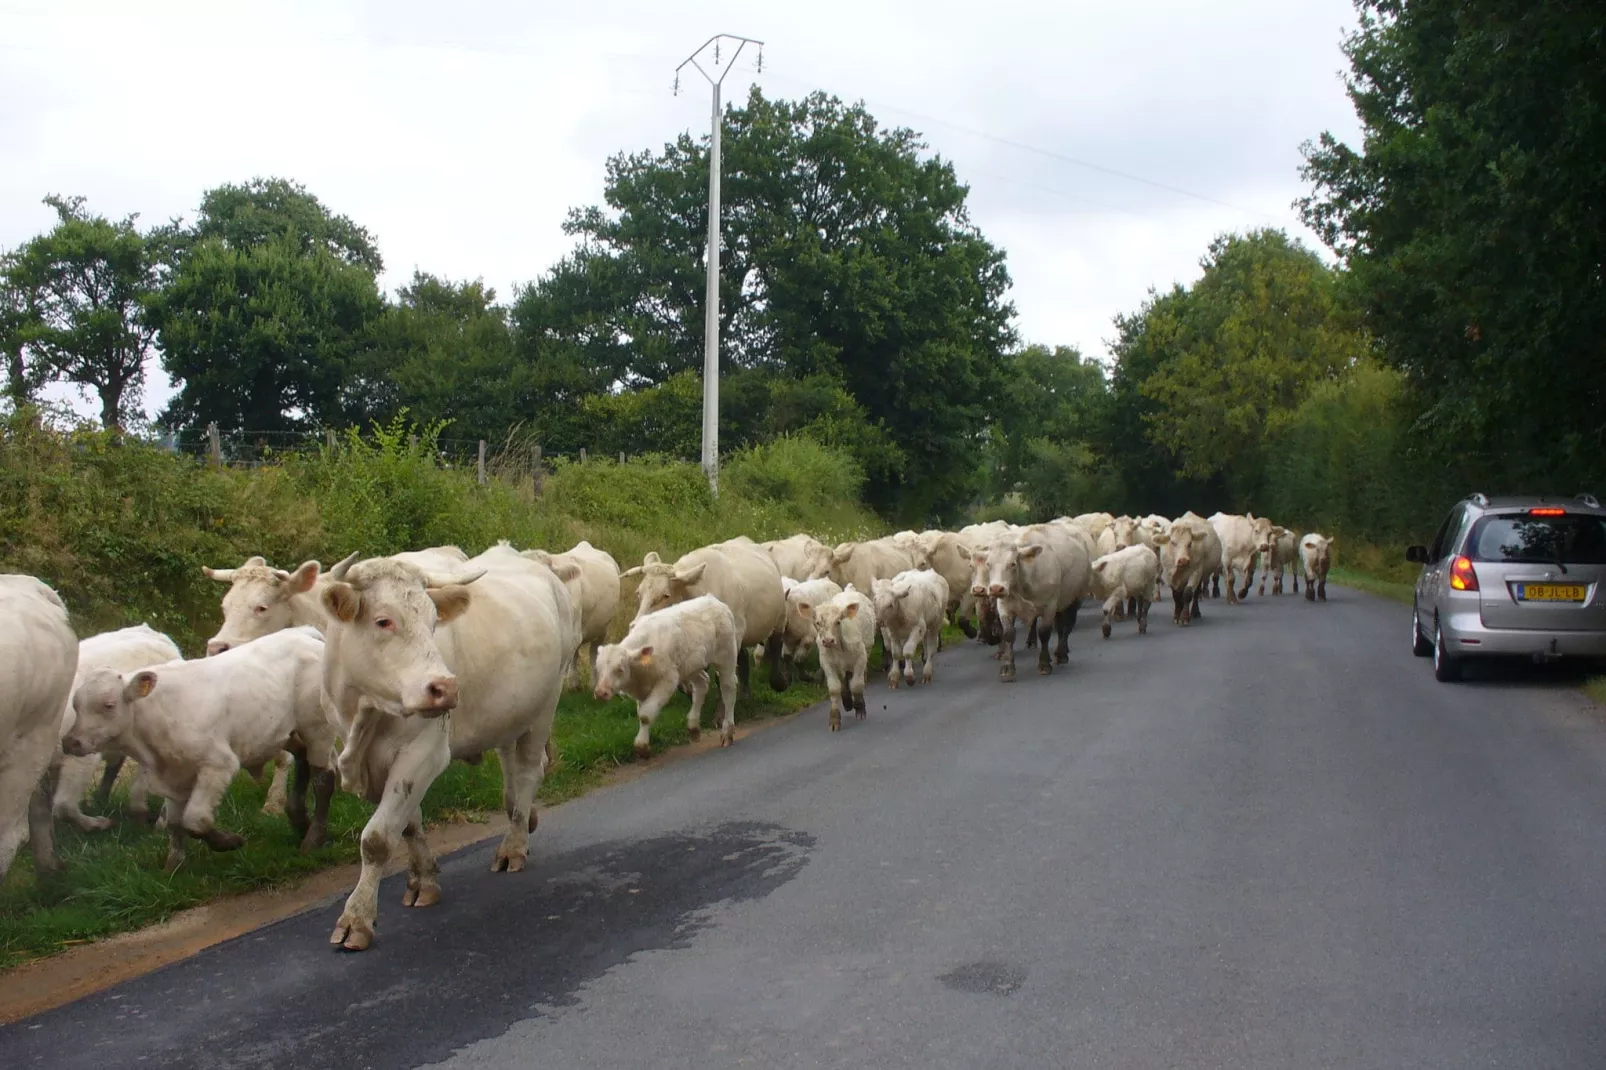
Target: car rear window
{"points": [[1574, 539]]}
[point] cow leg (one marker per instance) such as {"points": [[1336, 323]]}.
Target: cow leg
{"points": [[295, 810], [416, 766], [772, 655], [200, 809], [41, 822], [175, 835], [1310, 588], [727, 703], [1108, 609], [352, 761], [1321, 589], [1197, 613], [103, 794], [323, 791], [571, 682], [855, 681], [1031, 634], [139, 799], [1006, 645], [744, 672], [917, 636], [1293, 574], [930, 634], [1064, 621], [1179, 606], [961, 615], [276, 799], [72, 781], [647, 710], [423, 872], [833, 687], [694, 713], [1045, 633], [522, 763]]}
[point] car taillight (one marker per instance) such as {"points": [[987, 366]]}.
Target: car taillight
{"points": [[1547, 511], [1462, 578]]}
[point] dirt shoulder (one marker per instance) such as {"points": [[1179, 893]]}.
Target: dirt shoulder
{"points": [[38, 986]]}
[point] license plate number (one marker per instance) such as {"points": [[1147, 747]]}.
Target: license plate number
{"points": [[1550, 592]]}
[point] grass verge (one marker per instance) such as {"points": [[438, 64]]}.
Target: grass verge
{"points": [[113, 882], [1595, 688], [1394, 590]]}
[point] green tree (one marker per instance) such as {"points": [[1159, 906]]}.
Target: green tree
{"points": [[268, 315], [845, 253], [1470, 219], [76, 297], [1239, 351], [1048, 396]]}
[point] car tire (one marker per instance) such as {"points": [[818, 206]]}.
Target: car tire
{"points": [[1446, 669], [1419, 645]]}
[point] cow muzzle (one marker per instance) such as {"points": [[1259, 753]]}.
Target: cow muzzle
{"points": [[996, 590], [217, 646], [828, 642], [440, 696], [602, 693], [74, 746], [978, 590]]}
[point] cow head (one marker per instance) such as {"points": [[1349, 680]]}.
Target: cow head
{"points": [[383, 616], [1003, 564], [1265, 534], [664, 585], [1179, 552], [257, 602], [616, 667], [829, 620], [103, 708], [1126, 532]]}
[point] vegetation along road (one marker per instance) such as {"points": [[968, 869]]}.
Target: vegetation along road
{"points": [[1270, 840]]}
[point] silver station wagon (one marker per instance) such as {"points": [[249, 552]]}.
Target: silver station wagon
{"points": [[1512, 576]]}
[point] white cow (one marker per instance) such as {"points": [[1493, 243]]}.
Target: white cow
{"points": [[798, 633], [797, 556], [909, 609], [38, 657], [1127, 573], [1042, 573], [740, 574], [949, 557], [191, 725], [862, 563], [669, 647], [1315, 558], [1239, 545], [1284, 555], [844, 628], [124, 650], [1190, 553], [979, 538], [592, 576], [404, 644]]}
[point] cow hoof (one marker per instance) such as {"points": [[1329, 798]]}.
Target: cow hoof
{"points": [[643, 751], [172, 862], [274, 807], [909, 679], [1105, 628], [535, 819], [507, 862], [836, 724], [220, 840], [1062, 659], [727, 739], [1007, 674], [352, 935], [313, 839], [421, 894], [694, 734], [95, 824], [1045, 669]]}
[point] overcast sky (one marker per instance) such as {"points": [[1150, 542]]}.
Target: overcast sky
{"points": [[1104, 143]]}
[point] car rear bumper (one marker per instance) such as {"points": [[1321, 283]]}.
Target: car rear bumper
{"points": [[1465, 635]]}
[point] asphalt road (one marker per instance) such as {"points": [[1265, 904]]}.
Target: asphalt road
{"points": [[1271, 840]]}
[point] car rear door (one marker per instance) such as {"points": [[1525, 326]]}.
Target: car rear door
{"points": [[1540, 569]]}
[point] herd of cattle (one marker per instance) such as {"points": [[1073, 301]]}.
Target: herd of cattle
{"points": [[376, 674]]}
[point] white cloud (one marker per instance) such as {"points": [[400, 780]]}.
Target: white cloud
{"points": [[461, 135]]}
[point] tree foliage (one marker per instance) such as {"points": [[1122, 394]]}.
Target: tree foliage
{"points": [[845, 253], [76, 297], [266, 319], [1470, 220]]}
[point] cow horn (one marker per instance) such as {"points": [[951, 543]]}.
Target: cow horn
{"points": [[339, 571], [449, 579], [222, 575]]}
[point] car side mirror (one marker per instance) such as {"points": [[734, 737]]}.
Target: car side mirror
{"points": [[1417, 555]]}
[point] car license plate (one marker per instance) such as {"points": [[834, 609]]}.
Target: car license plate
{"points": [[1550, 592]]}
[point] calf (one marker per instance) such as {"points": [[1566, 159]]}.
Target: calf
{"points": [[1315, 556], [193, 724], [844, 629], [592, 577], [124, 650], [1239, 544], [1128, 573], [665, 649], [798, 634], [909, 607]]}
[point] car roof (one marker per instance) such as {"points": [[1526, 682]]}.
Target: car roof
{"points": [[1572, 503]]}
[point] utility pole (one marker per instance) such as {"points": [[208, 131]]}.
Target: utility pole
{"points": [[711, 301]]}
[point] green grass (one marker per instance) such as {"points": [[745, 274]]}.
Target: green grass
{"points": [[1595, 688], [1390, 589], [113, 881]]}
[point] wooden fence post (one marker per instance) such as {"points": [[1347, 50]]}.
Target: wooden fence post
{"points": [[582, 455], [412, 443], [482, 462], [329, 437], [621, 456], [214, 444]]}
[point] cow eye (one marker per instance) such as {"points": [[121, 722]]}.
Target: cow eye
{"points": [[261, 610], [111, 704], [385, 624]]}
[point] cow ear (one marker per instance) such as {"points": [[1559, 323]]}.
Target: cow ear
{"points": [[304, 578], [805, 610], [691, 575], [1161, 538], [1331, 543], [563, 570], [961, 549], [342, 601], [139, 685], [841, 554], [1029, 552], [644, 657], [901, 594], [450, 601], [852, 610], [652, 558]]}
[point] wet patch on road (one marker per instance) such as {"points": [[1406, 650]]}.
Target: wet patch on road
{"points": [[985, 978], [496, 950]]}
